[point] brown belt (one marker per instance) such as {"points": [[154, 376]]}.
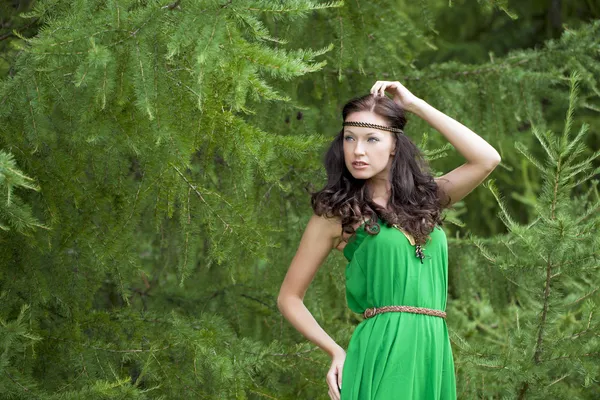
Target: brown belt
{"points": [[371, 312]]}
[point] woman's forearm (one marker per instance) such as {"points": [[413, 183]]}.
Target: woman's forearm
{"points": [[294, 310], [470, 145]]}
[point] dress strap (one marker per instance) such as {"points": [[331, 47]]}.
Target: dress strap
{"points": [[410, 237]]}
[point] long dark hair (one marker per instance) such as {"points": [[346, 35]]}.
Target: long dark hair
{"points": [[414, 202]]}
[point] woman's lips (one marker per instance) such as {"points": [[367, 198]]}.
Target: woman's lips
{"points": [[360, 165]]}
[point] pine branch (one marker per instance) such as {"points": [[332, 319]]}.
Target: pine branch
{"points": [[225, 224], [572, 356], [583, 297], [79, 343], [573, 96], [21, 386], [542, 326]]}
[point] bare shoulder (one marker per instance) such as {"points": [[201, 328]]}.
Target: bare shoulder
{"points": [[328, 230], [316, 243], [342, 238], [324, 228]]}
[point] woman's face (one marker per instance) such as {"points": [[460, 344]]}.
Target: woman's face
{"points": [[373, 147]]}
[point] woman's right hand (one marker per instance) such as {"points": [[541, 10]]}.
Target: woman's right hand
{"points": [[334, 375]]}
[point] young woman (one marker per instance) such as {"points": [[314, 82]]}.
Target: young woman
{"points": [[382, 208]]}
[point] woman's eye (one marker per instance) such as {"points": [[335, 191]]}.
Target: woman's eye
{"points": [[371, 138]]}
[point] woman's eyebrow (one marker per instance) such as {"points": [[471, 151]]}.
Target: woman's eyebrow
{"points": [[368, 134]]}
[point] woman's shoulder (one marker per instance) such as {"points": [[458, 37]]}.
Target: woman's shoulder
{"points": [[325, 228], [331, 227], [326, 225], [329, 223], [343, 237]]}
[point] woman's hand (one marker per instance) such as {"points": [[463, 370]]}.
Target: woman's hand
{"points": [[401, 95], [334, 375]]}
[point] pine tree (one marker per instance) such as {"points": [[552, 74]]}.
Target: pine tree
{"points": [[150, 180], [543, 342], [158, 156]]}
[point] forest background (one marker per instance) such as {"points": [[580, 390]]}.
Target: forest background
{"points": [[156, 160]]}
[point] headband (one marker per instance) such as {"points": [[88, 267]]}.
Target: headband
{"points": [[368, 125]]}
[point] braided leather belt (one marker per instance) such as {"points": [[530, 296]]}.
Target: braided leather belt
{"points": [[371, 312]]}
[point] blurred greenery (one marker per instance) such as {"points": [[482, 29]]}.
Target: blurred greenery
{"points": [[164, 154]]}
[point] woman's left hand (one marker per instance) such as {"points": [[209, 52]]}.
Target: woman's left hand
{"points": [[401, 95]]}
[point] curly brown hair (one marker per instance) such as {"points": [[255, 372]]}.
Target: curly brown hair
{"points": [[414, 202]]}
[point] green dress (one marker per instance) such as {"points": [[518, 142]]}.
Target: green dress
{"points": [[397, 355]]}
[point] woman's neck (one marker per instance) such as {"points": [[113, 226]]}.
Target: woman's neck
{"points": [[379, 191]]}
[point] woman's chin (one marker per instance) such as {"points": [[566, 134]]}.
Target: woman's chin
{"points": [[360, 174]]}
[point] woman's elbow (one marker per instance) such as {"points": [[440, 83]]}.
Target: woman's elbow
{"points": [[279, 302], [283, 299]]}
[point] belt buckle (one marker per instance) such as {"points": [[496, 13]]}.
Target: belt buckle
{"points": [[369, 312]]}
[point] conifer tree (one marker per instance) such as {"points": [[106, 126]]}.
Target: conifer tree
{"points": [[129, 116], [158, 154], [544, 342]]}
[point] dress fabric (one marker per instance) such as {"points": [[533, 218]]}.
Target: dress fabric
{"points": [[397, 355]]}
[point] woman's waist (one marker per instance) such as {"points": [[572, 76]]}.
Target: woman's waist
{"points": [[370, 312]]}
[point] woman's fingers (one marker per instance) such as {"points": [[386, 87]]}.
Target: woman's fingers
{"points": [[375, 87], [332, 382], [333, 395], [378, 89], [334, 375], [382, 88]]}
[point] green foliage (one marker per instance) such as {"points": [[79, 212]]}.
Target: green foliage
{"points": [[541, 340], [173, 146], [13, 211]]}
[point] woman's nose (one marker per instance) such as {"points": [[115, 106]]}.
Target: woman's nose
{"points": [[359, 149]]}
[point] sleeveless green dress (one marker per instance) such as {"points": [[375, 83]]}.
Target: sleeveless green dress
{"points": [[397, 355]]}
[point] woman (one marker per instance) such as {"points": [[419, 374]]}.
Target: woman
{"points": [[382, 208]]}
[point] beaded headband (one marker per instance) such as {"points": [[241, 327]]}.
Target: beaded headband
{"points": [[368, 125]]}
